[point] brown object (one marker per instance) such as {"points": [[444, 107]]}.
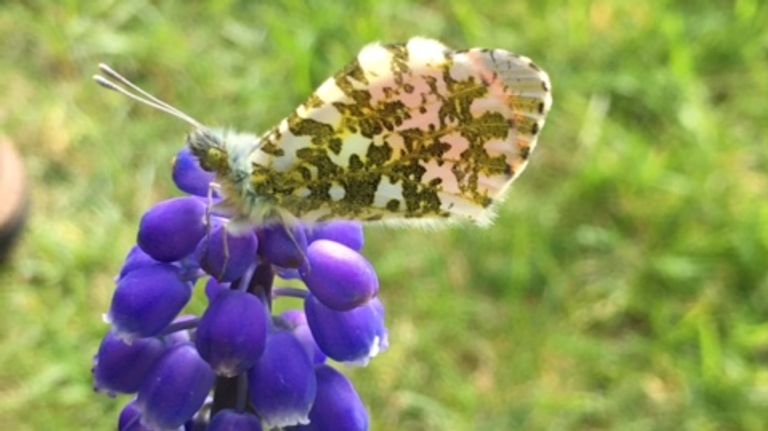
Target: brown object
{"points": [[13, 196]]}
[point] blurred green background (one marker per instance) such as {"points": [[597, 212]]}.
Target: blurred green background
{"points": [[624, 285]]}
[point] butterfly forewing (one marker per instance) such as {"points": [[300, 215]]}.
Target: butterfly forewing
{"points": [[407, 132]]}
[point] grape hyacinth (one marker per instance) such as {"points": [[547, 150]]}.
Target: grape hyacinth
{"points": [[237, 365]]}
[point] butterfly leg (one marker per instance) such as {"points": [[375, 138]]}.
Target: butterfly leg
{"points": [[212, 189], [289, 232]]}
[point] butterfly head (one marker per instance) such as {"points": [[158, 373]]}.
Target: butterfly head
{"points": [[209, 147]]}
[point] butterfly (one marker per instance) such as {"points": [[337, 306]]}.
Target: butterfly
{"points": [[411, 133]]}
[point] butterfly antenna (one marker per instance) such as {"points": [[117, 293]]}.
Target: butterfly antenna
{"points": [[140, 95]]}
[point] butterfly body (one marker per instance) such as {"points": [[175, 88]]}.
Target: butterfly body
{"points": [[406, 133]]}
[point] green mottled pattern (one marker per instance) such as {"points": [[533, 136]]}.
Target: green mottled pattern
{"points": [[401, 139]]}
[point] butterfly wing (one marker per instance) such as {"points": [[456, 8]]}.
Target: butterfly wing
{"points": [[407, 132]]}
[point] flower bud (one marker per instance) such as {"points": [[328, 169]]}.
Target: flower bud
{"points": [[225, 256], [213, 287], [188, 176], [172, 229], [232, 332], [297, 322], [349, 233], [338, 276], [120, 367], [130, 419], [136, 258], [230, 420], [337, 405], [282, 383], [353, 336], [147, 299], [175, 389], [283, 246]]}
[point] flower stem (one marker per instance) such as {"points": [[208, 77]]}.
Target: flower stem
{"points": [[292, 292], [181, 325], [225, 394], [242, 392], [261, 283]]}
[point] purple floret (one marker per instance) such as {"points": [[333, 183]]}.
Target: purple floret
{"points": [[188, 176], [282, 384], [338, 276], [172, 229], [176, 388], [232, 332], [147, 299]]}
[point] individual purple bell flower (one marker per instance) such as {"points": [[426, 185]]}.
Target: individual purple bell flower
{"points": [[297, 323], [230, 420], [232, 333], [188, 176], [121, 367], [136, 258], [175, 389], [213, 287], [172, 229], [147, 299], [338, 276], [337, 406], [130, 419], [226, 256], [349, 233], [201, 419], [188, 268], [129, 414], [354, 336], [282, 384], [283, 246]]}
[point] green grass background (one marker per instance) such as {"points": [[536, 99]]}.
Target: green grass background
{"points": [[624, 285]]}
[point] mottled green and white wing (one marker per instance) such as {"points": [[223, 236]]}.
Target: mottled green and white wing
{"points": [[407, 132]]}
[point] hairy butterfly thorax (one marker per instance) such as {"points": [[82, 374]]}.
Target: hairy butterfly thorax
{"points": [[406, 133]]}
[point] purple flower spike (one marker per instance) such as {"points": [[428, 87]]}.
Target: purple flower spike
{"points": [[175, 389], [281, 247], [120, 367], [188, 176], [226, 256], [147, 299], [297, 321], [337, 406], [230, 420], [338, 276], [282, 384], [353, 336], [172, 229], [349, 233], [232, 332]]}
